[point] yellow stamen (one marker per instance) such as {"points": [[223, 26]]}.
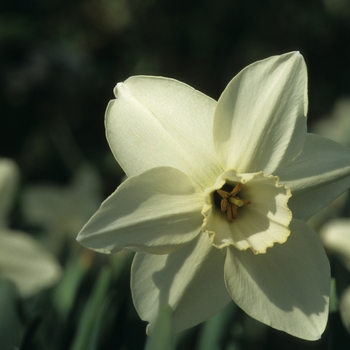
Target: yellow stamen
{"points": [[236, 201], [230, 202]]}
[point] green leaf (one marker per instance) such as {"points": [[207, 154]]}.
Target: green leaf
{"points": [[30, 332], [161, 336], [65, 292], [101, 318], [215, 328], [10, 325], [87, 321]]}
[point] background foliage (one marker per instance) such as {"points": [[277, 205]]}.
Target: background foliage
{"points": [[59, 62]]}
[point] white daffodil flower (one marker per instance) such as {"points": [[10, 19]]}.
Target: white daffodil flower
{"points": [[335, 236], [22, 259], [217, 195], [336, 125], [63, 210]]}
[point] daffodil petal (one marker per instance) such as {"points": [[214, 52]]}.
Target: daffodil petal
{"points": [[9, 178], [63, 210], [335, 236], [288, 287], [26, 263], [344, 307], [157, 121], [190, 281], [156, 212], [317, 176], [259, 121]]}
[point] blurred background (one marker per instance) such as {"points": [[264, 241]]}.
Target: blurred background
{"points": [[59, 62]]}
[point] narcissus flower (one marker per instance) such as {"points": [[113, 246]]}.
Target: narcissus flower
{"points": [[62, 211], [22, 259], [217, 195], [335, 236]]}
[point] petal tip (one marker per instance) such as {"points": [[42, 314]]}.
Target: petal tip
{"points": [[117, 89]]}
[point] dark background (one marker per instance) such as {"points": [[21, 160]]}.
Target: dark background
{"points": [[60, 60]]}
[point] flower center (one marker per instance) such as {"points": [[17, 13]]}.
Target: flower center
{"points": [[230, 202], [261, 224]]}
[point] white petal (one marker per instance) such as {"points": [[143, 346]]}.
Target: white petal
{"points": [[319, 175], [335, 236], [260, 224], [190, 281], [155, 211], [157, 121], [9, 177], [259, 121], [344, 308], [286, 288], [26, 263], [63, 210]]}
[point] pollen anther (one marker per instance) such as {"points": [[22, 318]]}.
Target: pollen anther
{"points": [[230, 202]]}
